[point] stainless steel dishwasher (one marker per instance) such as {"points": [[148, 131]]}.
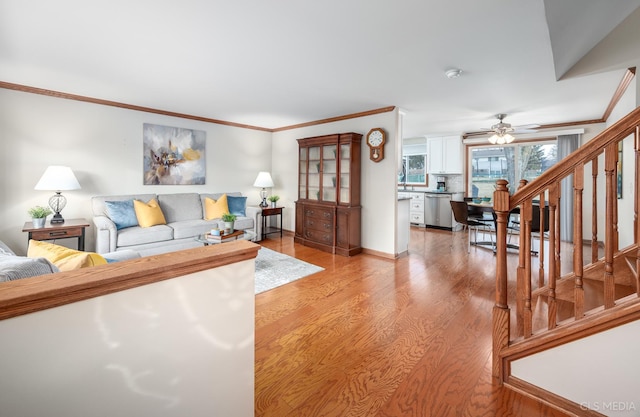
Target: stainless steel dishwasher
{"points": [[437, 210]]}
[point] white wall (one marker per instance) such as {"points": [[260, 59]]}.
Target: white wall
{"points": [[103, 146], [378, 198]]}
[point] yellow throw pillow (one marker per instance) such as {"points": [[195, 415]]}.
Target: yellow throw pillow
{"points": [[148, 214], [215, 209], [64, 258]]}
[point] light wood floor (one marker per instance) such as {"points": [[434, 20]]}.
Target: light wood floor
{"points": [[376, 337]]}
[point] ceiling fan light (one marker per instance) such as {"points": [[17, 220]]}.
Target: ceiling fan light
{"points": [[493, 139], [508, 138]]}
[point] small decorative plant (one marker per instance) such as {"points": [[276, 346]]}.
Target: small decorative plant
{"points": [[228, 220], [39, 212], [228, 217], [273, 198]]}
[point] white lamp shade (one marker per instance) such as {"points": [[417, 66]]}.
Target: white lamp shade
{"points": [[263, 180], [501, 139], [58, 178]]}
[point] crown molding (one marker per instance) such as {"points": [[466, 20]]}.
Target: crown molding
{"points": [[86, 99]]}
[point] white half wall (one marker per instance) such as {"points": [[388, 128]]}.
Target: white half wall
{"points": [[598, 373], [179, 347]]}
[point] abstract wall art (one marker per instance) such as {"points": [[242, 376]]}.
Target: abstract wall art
{"points": [[173, 155]]}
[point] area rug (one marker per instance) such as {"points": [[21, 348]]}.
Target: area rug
{"points": [[274, 269]]}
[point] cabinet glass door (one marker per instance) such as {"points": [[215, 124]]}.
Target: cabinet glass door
{"points": [[329, 173], [314, 172], [345, 175], [302, 174]]}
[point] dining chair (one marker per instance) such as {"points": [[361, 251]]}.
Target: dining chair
{"points": [[461, 215], [514, 224]]}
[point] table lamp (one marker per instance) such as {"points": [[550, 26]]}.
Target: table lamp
{"points": [[263, 180], [57, 178]]}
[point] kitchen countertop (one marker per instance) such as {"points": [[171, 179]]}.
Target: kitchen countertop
{"points": [[429, 191]]}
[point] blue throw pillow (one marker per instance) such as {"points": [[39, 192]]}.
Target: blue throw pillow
{"points": [[237, 205], [122, 213]]}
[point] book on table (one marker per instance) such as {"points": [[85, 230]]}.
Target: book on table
{"points": [[219, 238]]}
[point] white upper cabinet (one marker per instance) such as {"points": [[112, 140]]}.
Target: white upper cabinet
{"points": [[444, 155]]}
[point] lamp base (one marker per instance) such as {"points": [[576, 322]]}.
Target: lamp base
{"points": [[264, 203], [57, 219]]}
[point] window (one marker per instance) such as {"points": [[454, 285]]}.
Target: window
{"points": [[414, 161], [511, 162], [414, 169]]}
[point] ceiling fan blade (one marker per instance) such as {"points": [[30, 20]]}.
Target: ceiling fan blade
{"points": [[480, 133], [529, 126]]}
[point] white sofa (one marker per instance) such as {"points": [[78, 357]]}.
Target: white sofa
{"points": [[184, 214]]}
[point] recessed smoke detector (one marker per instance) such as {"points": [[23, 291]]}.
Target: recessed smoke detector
{"points": [[453, 73]]}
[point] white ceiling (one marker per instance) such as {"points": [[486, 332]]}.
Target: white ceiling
{"points": [[283, 62]]}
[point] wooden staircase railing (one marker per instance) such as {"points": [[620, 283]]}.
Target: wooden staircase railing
{"points": [[536, 290]]}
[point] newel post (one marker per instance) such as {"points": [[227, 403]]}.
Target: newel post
{"points": [[501, 311]]}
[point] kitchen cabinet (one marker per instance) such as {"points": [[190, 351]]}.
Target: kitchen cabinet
{"points": [[416, 208], [403, 225], [328, 211], [444, 155]]}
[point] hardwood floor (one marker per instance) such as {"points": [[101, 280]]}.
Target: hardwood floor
{"points": [[375, 337]]}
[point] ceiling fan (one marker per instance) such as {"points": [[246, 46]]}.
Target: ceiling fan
{"points": [[502, 131]]}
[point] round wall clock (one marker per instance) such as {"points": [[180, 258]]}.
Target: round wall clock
{"points": [[376, 139]]}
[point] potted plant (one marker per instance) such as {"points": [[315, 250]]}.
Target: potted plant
{"points": [[39, 215], [228, 220], [274, 200]]}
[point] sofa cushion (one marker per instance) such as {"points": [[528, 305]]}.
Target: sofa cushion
{"points": [[121, 255], [192, 228], [149, 213], [64, 258], [243, 223], [140, 235], [121, 213], [237, 205], [5, 250], [214, 209], [180, 206], [98, 202], [17, 267]]}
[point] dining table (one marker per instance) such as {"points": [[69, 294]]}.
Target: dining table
{"points": [[487, 207]]}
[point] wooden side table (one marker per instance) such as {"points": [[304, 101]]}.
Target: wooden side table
{"points": [[70, 228], [268, 212]]}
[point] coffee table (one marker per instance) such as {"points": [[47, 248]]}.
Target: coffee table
{"points": [[207, 239]]}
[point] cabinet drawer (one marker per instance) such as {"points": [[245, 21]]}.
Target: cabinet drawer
{"points": [[417, 197], [416, 217], [319, 213], [325, 238], [56, 234], [416, 206], [318, 224]]}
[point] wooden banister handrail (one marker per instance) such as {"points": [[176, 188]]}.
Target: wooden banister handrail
{"points": [[590, 150], [551, 296]]}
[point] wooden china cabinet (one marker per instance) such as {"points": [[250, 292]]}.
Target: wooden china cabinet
{"points": [[328, 211]]}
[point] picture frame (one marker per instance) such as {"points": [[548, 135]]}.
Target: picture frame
{"points": [[173, 155]]}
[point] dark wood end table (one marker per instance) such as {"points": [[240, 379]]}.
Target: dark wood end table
{"points": [[268, 212], [69, 229]]}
